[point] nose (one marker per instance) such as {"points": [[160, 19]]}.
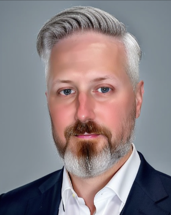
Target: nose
{"points": [[84, 108]]}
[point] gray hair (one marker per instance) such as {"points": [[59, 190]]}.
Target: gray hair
{"points": [[88, 18]]}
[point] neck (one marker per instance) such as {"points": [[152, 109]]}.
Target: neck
{"points": [[87, 188]]}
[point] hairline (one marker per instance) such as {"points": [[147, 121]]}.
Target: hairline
{"points": [[119, 38]]}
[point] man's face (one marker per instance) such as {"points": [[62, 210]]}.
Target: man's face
{"points": [[91, 101]]}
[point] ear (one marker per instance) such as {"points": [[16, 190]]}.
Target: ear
{"points": [[46, 94], [139, 97]]}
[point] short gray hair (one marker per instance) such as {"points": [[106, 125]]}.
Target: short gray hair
{"points": [[82, 18]]}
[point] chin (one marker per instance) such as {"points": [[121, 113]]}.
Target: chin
{"points": [[89, 163]]}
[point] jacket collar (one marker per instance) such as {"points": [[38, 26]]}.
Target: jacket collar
{"points": [[48, 199], [56, 178], [146, 192]]}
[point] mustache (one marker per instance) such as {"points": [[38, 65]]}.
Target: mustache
{"points": [[79, 128]]}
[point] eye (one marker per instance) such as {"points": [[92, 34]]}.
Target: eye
{"points": [[66, 92], [104, 89]]}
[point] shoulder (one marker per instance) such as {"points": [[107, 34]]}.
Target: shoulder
{"points": [[166, 181], [146, 168], [18, 198], [147, 173], [155, 184]]}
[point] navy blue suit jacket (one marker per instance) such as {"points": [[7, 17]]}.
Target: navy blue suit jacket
{"points": [[149, 195]]}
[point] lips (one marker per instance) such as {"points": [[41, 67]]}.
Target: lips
{"points": [[87, 136]]}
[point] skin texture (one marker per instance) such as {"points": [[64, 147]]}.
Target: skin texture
{"points": [[92, 66]]}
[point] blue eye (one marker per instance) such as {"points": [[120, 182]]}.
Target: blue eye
{"points": [[104, 89], [67, 92]]}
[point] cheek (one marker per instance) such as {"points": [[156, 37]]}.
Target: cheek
{"points": [[61, 117], [113, 113]]}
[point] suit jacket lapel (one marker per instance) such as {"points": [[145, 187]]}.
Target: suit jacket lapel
{"points": [[146, 191], [48, 200]]}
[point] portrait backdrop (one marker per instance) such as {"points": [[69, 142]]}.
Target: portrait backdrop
{"points": [[27, 150]]}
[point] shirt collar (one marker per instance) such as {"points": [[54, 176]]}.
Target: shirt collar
{"points": [[122, 181], [67, 189]]}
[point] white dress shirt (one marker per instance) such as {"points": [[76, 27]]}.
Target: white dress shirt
{"points": [[110, 199]]}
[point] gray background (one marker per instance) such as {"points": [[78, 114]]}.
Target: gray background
{"points": [[27, 151]]}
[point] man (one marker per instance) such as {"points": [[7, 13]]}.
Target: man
{"points": [[94, 96]]}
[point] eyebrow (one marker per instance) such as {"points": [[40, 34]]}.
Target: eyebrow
{"points": [[94, 80], [62, 81], [102, 78]]}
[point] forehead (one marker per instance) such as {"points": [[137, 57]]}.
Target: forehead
{"points": [[85, 52], [80, 41]]}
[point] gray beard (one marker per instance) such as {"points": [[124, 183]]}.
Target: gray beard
{"points": [[96, 165]]}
